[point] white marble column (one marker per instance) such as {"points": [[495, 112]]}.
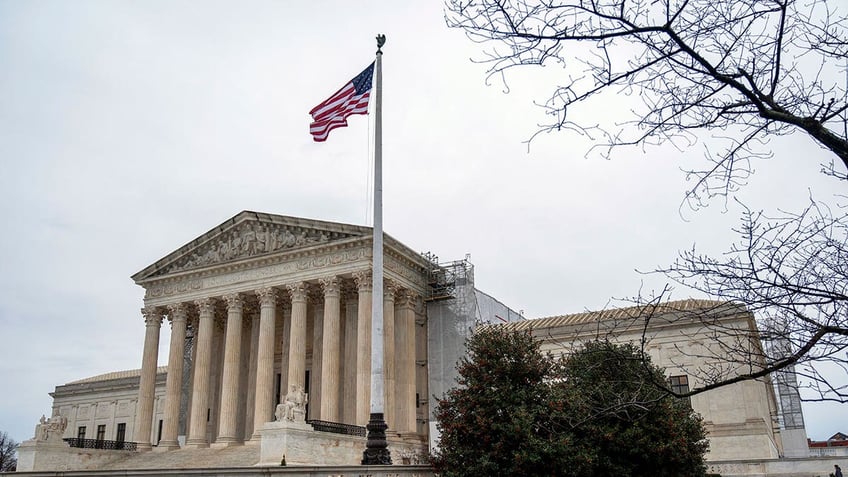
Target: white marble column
{"points": [[349, 361], [297, 338], [200, 381], [177, 315], [363, 346], [317, 315], [250, 345], [190, 357], [389, 364], [330, 359], [147, 381], [285, 345], [264, 400], [405, 372], [228, 428]]}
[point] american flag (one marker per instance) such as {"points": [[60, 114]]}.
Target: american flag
{"points": [[332, 113]]}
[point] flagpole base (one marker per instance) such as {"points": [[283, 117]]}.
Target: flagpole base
{"points": [[376, 448]]}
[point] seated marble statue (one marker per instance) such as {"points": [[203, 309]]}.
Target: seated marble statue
{"points": [[51, 429], [294, 406]]}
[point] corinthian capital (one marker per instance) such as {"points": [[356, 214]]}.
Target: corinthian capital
{"points": [[390, 289], [267, 296], [177, 312], [152, 316], [407, 299], [363, 280], [234, 302], [299, 291], [206, 306], [330, 285]]}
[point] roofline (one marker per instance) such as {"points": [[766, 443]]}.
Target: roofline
{"points": [[728, 308]]}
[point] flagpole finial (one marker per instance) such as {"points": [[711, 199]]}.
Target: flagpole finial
{"points": [[381, 40]]}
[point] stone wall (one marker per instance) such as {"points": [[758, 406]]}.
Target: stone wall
{"points": [[42, 456], [807, 467], [303, 446], [334, 471]]}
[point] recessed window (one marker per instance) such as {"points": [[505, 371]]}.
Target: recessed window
{"points": [[680, 385], [101, 432], [81, 432], [121, 433]]}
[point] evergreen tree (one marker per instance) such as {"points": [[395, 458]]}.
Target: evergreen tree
{"points": [[618, 407], [597, 412], [496, 422]]}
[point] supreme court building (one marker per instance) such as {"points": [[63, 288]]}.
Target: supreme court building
{"points": [[263, 305], [279, 302]]}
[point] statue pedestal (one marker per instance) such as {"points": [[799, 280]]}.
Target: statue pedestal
{"points": [[55, 456], [301, 445], [31, 453]]}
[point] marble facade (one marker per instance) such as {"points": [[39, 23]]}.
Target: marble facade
{"points": [[272, 301]]}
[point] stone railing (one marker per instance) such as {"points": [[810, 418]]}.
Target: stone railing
{"points": [[337, 428], [100, 444], [829, 451]]}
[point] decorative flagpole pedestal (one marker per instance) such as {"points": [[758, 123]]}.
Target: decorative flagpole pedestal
{"points": [[376, 448]]}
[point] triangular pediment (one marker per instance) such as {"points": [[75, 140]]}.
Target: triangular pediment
{"points": [[247, 235]]}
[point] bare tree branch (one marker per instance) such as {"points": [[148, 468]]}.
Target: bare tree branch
{"points": [[726, 65], [791, 271], [8, 449]]}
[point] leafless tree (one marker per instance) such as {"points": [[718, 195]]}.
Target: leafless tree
{"points": [[743, 71], [791, 271], [733, 74], [8, 450]]}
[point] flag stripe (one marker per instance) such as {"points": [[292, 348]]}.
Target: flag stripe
{"points": [[333, 112], [333, 102], [350, 105]]}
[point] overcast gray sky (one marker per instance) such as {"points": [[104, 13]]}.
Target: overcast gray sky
{"points": [[129, 128]]}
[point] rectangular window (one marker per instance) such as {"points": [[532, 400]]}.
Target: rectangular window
{"points": [[159, 434], [680, 385], [121, 433], [101, 432], [81, 432]]}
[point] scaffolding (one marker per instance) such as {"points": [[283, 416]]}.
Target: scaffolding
{"points": [[445, 278], [790, 416], [454, 309]]}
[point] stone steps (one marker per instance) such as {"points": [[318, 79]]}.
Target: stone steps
{"points": [[235, 456]]}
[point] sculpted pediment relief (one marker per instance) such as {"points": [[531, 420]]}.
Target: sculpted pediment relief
{"points": [[247, 237], [247, 240]]}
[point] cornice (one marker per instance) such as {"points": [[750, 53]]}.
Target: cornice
{"points": [[694, 327], [117, 384], [245, 274]]}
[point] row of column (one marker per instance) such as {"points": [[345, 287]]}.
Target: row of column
{"points": [[399, 359]]}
